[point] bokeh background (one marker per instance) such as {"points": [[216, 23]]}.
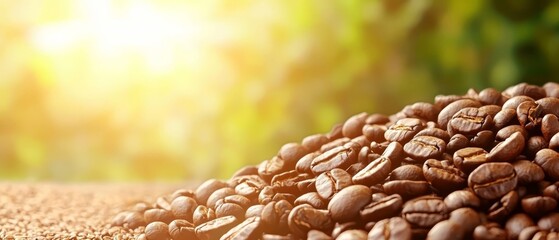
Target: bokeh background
{"points": [[114, 90]]}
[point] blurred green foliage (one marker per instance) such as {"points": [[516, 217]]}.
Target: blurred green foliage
{"points": [[294, 68]]}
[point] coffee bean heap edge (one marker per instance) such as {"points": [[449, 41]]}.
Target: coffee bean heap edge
{"points": [[483, 165]]}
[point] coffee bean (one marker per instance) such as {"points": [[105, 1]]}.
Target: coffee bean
{"points": [[181, 229], [468, 218], [422, 110], [254, 211], [538, 205], [214, 229], [424, 212], [461, 199], [395, 228], [549, 105], [468, 159], [407, 172], [304, 164], [352, 127], [395, 152], [377, 118], [291, 153], [457, 142], [335, 132], [250, 228], [274, 216], [505, 117], [443, 175], [286, 182], [483, 139], [407, 188], [547, 160], [469, 121], [307, 185], [528, 172], [250, 186], [516, 223], [492, 110], [277, 237], [202, 214], [507, 150], [205, 189], [342, 227], [374, 172], [353, 234], [489, 96], [442, 101], [339, 157], [219, 194], [333, 144], [549, 221], [156, 214], [528, 233], [434, 132], [330, 182], [315, 234], [303, 218], [446, 229], [503, 207], [404, 130], [314, 142], [244, 171], [229, 209], [269, 168], [489, 231], [386, 207], [346, 204], [507, 131], [374, 133], [528, 114], [157, 231], [535, 144], [183, 207], [425, 147], [552, 191], [134, 220], [524, 89], [492, 180], [550, 126], [311, 198], [513, 102]]}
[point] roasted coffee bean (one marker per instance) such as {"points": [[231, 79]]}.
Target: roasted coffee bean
{"points": [[346, 204], [250, 186], [229, 209], [505, 117], [274, 216], [469, 121], [291, 153], [468, 159], [492, 110], [330, 182], [202, 214], [528, 233], [269, 168], [422, 110], [461, 199], [547, 160], [374, 172], [315, 234], [507, 131], [339, 157], [395, 152], [158, 215], [374, 133], [446, 229], [314, 142], [528, 114], [425, 147], [554, 142], [424, 212], [181, 229], [434, 132], [353, 234], [483, 139], [457, 142], [550, 126], [395, 228], [442, 101], [183, 207], [134, 220], [549, 221], [407, 172], [303, 218], [524, 89], [549, 105], [307, 185], [311, 198], [157, 231], [206, 189], [528, 172], [513, 102], [352, 127], [489, 231], [250, 228], [335, 132], [244, 171], [551, 89], [489, 96], [342, 227], [141, 207], [538, 205], [404, 130], [386, 207], [219, 194], [286, 182], [277, 237], [214, 229], [507, 150], [254, 211], [493, 180], [467, 217], [516, 223], [448, 112], [503, 207], [377, 118], [266, 195], [333, 144], [443, 175], [552, 191], [304, 164], [407, 188]]}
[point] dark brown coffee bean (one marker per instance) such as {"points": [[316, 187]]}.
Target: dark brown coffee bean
{"points": [[516, 223], [505, 117], [346, 204], [342, 227], [395, 228], [489, 231], [483, 139], [442, 101], [352, 127], [492, 110], [547, 160], [407, 172], [274, 216], [528, 233], [549, 105], [469, 121], [395, 152], [503, 207], [304, 164], [528, 172], [311, 198], [157, 231], [550, 126], [535, 144], [229, 209], [250, 186], [386, 207], [374, 133], [549, 221], [424, 212], [339, 157], [266, 195], [181, 229], [552, 191], [286, 182], [446, 229], [303, 218], [335, 132], [374, 172], [513, 102], [377, 118], [421, 110], [468, 159], [158, 215], [202, 214], [250, 228], [333, 144], [269, 168], [532, 91], [434, 132], [353, 234], [507, 131], [254, 211], [214, 229], [489, 96], [507, 150], [448, 112], [425, 147], [314, 142], [315, 234], [267, 236], [407, 188], [219, 194], [404, 130], [443, 175], [134, 220], [538, 205], [461, 199], [245, 171], [307, 185], [330, 182], [551, 89], [467, 217], [493, 180], [183, 207], [457, 142], [206, 189]]}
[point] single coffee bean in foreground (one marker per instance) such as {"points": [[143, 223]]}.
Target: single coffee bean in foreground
{"points": [[483, 165]]}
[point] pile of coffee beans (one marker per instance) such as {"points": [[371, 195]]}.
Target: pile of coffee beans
{"points": [[483, 165]]}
